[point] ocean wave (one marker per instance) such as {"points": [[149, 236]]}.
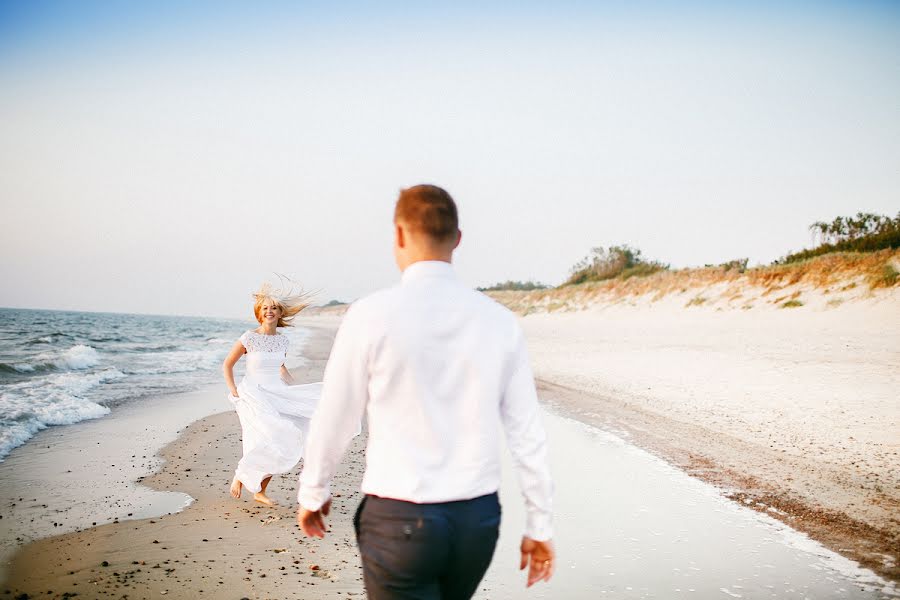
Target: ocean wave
{"points": [[9, 369], [59, 399], [17, 432], [60, 368], [176, 361], [16, 368], [77, 358], [45, 339], [78, 383]]}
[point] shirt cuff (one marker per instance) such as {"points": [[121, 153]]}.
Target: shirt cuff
{"points": [[539, 527], [312, 498]]}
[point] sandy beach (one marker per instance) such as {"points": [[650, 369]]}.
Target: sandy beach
{"points": [[688, 491], [216, 544], [629, 525], [792, 411], [691, 210]]}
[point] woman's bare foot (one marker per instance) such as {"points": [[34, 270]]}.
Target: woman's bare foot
{"points": [[236, 487], [263, 499]]}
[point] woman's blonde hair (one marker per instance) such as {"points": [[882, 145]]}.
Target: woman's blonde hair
{"points": [[285, 298]]}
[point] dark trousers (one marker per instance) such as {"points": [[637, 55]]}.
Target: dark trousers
{"points": [[426, 551]]}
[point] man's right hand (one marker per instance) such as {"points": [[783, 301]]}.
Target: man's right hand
{"points": [[313, 522], [539, 557]]}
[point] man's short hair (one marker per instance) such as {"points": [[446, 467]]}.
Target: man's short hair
{"points": [[430, 210]]}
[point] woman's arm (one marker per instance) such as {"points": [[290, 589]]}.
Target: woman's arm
{"points": [[286, 375], [237, 351]]}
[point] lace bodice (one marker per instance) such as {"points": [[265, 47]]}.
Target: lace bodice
{"points": [[258, 342]]}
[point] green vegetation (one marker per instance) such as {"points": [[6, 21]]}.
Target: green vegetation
{"points": [[866, 232], [602, 264], [888, 277], [521, 286], [864, 246], [335, 303], [738, 264]]}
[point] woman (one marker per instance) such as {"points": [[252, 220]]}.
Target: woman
{"points": [[274, 415]]}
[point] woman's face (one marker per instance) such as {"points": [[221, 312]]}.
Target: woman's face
{"points": [[269, 312]]}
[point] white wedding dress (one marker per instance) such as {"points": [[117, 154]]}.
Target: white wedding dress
{"points": [[274, 416]]}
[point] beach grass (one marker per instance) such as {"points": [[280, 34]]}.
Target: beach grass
{"points": [[724, 285], [888, 277]]}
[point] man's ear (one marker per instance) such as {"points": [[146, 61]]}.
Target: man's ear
{"points": [[399, 236], [458, 239]]}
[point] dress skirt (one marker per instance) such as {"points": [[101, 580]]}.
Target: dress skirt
{"points": [[275, 420]]}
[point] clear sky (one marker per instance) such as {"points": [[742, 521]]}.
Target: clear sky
{"points": [[167, 159]]}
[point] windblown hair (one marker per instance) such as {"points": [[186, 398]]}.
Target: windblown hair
{"points": [[285, 298], [430, 210]]}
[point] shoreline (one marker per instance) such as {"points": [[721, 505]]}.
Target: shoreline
{"points": [[215, 544], [175, 553], [728, 464], [216, 547], [73, 477], [69, 478], [659, 521]]}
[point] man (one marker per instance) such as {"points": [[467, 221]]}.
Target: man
{"points": [[439, 369]]}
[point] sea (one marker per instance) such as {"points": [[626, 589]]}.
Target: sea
{"points": [[60, 367]]}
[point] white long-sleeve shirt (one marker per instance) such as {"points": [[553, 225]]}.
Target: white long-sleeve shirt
{"points": [[439, 369]]}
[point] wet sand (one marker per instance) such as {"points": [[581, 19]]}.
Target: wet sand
{"points": [[70, 478], [629, 525], [216, 548]]}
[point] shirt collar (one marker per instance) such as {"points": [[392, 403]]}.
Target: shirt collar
{"points": [[426, 269]]}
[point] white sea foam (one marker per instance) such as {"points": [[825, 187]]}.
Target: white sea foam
{"points": [[78, 357], [177, 361], [30, 406]]}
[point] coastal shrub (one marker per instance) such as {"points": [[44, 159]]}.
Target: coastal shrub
{"points": [[521, 286], [602, 264], [888, 277], [738, 264], [792, 304], [335, 303], [866, 232], [642, 270]]}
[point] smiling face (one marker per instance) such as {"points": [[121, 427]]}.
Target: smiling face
{"points": [[268, 310]]}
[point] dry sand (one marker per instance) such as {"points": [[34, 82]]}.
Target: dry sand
{"points": [[794, 411]]}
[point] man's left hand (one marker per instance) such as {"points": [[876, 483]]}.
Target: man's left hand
{"points": [[313, 522]]}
